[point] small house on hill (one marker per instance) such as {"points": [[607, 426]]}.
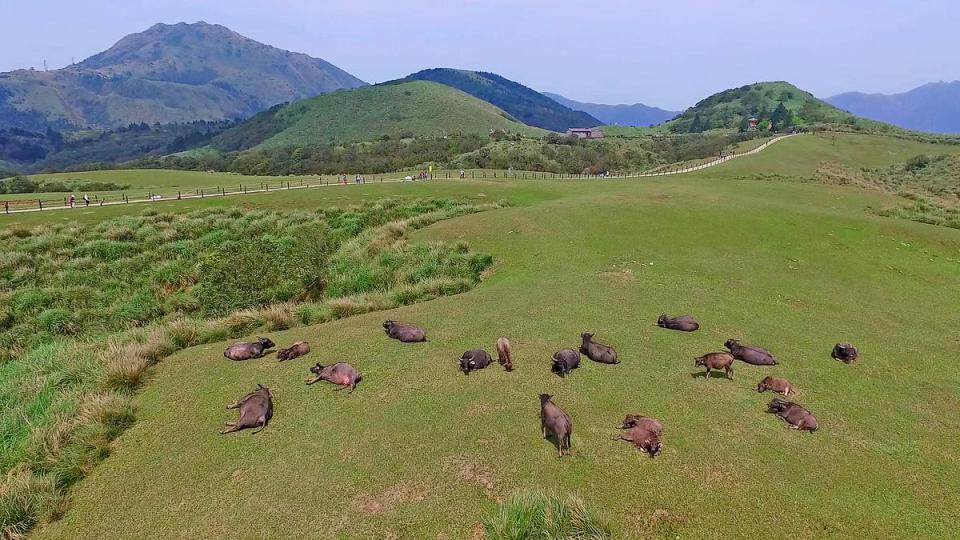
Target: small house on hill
{"points": [[586, 133]]}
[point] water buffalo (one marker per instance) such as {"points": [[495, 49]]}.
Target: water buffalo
{"points": [[596, 351], [555, 422], [504, 354], [844, 352], [256, 409], [341, 374], [774, 384], [793, 414], [564, 361], [684, 323], [716, 360], [246, 351], [644, 432], [296, 350], [406, 333], [750, 355], [473, 360]]}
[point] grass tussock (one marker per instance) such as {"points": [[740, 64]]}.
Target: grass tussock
{"points": [[534, 515]]}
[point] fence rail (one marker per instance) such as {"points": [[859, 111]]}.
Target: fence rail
{"points": [[39, 204]]}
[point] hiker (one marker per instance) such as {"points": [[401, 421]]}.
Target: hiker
{"points": [[86, 200], [72, 200], [461, 174]]}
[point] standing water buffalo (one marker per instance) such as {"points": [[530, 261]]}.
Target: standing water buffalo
{"points": [[256, 409], [844, 352], [341, 374], [555, 422], [406, 333], [564, 361], [750, 355], [644, 432], [473, 360], [246, 351], [684, 323], [504, 354], [774, 384], [716, 360], [793, 414], [296, 350], [596, 351]]}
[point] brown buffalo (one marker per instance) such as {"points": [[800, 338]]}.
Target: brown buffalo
{"points": [[296, 350], [341, 374], [246, 351], [774, 384], [473, 360], [749, 354], [684, 323], [845, 352], [644, 432], [555, 422], [564, 361], [596, 351], [256, 409], [716, 360], [406, 333], [793, 414], [504, 354]]}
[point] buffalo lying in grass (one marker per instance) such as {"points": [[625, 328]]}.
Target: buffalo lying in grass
{"points": [[774, 384], [246, 351], [793, 414], [716, 360], [406, 333], [845, 352], [564, 361], [341, 374], [296, 350], [683, 323], [555, 422], [751, 355], [644, 432], [256, 409], [504, 354], [473, 360], [596, 351]]}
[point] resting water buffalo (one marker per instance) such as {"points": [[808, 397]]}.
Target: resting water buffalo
{"points": [[844, 352], [564, 361], [750, 355], [684, 323], [555, 422], [774, 384], [246, 351], [341, 374], [503, 354], [256, 409], [644, 432], [473, 360], [793, 414], [716, 360], [407, 333], [596, 351], [296, 350]]}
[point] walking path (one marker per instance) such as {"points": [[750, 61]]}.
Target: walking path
{"points": [[187, 197]]}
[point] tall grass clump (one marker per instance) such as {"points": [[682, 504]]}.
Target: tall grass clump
{"points": [[534, 515], [86, 312]]}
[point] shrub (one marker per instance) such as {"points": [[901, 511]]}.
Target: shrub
{"points": [[917, 162], [536, 516], [58, 321]]}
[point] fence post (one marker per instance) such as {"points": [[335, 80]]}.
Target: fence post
{"points": [[179, 196], [6, 207], [40, 203], [201, 193]]}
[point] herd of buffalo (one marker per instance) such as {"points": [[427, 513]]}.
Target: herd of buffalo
{"points": [[256, 408]]}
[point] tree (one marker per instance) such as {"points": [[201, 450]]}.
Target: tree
{"points": [[697, 125], [780, 114], [744, 124]]}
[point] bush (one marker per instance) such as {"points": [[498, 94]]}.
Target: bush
{"points": [[917, 162], [536, 516], [58, 321]]}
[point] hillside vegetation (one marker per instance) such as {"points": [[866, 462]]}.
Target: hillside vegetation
{"points": [[524, 104]]}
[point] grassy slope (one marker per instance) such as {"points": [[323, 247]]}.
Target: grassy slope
{"points": [[420, 450], [422, 108]]}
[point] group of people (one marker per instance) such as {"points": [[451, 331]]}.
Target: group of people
{"points": [[358, 179], [73, 200]]}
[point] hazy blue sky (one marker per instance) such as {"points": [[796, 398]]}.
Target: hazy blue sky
{"points": [[668, 53]]}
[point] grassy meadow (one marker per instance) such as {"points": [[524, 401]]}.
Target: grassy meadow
{"points": [[422, 451]]}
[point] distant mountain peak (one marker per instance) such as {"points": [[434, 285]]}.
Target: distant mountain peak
{"points": [[636, 114], [932, 107]]}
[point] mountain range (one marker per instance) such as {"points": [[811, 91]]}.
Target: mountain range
{"points": [[636, 115], [931, 107], [169, 73]]}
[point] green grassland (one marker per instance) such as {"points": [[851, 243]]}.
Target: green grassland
{"points": [[422, 451]]}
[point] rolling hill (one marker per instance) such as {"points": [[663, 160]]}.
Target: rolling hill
{"points": [[730, 109], [169, 73], [524, 104], [636, 115], [394, 109], [931, 107]]}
